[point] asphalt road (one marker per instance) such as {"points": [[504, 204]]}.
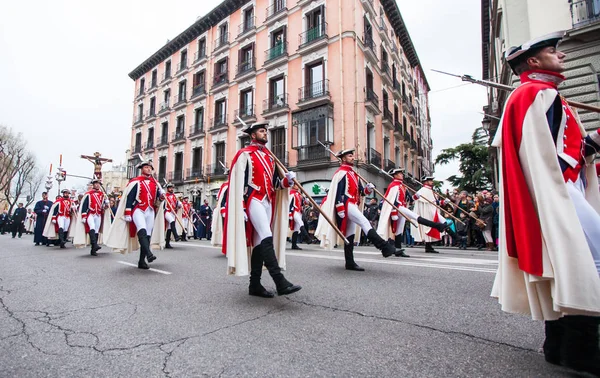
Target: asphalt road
{"points": [[64, 313]]}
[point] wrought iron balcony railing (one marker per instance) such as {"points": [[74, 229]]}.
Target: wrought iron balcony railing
{"points": [[222, 41], [276, 102], [246, 26], [199, 55], [247, 66], [387, 115], [278, 7], [276, 51], [389, 164], [312, 154], [369, 43], [194, 173], [198, 90], [197, 129], [314, 90], [372, 97], [166, 76], [221, 78], [164, 106], [180, 99], [177, 136], [313, 34], [218, 121], [162, 141], [374, 157], [246, 112], [216, 169]]}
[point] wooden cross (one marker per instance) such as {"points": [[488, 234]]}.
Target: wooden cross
{"points": [[98, 162]]}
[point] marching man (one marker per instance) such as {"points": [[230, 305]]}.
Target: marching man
{"points": [[93, 217], [549, 258], [391, 224], [257, 207], [135, 216], [296, 222], [427, 233], [59, 224], [343, 199], [171, 205], [185, 215], [219, 218]]}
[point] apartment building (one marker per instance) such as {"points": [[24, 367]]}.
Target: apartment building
{"points": [[344, 73], [506, 23]]}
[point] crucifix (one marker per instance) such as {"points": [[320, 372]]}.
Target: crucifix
{"points": [[98, 162]]}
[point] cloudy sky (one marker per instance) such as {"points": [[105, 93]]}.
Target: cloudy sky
{"points": [[64, 66]]}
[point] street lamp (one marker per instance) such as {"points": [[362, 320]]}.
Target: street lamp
{"points": [[195, 191], [485, 123]]}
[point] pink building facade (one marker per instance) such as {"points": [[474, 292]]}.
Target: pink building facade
{"points": [[313, 75]]}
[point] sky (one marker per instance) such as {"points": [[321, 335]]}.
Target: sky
{"points": [[64, 67]]}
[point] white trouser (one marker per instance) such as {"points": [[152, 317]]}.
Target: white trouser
{"points": [[63, 222], [588, 217], [144, 219], [402, 221], [260, 214], [185, 225], [94, 221], [297, 221], [169, 217], [356, 217], [487, 235]]}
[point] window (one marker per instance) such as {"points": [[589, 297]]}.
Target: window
{"points": [[219, 158], [166, 98], [244, 141], [278, 6], [246, 103], [142, 84], [278, 144], [178, 173], [246, 58], [314, 79], [404, 125], [198, 82], [138, 142], [150, 140], [248, 18], [168, 69], [396, 112], [164, 133], [162, 168], [154, 78], [182, 91], [385, 100], [221, 72], [386, 148], [277, 92], [152, 106], [183, 60], [223, 37], [368, 32], [220, 112], [179, 131], [315, 25], [278, 43], [201, 48], [199, 119], [140, 111], [196, 162], [313, 125]]}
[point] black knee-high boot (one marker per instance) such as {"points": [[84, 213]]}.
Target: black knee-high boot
{"points": [[295, 241], [94, 242], [168, 239], [61, 238], [144, 248], [256, 263], [349, 255], [384, 246], [398, 245], [579, 344], [174, 231], [150, 256], [284, 286], [429, 248], [305, 235], [441, 227]]}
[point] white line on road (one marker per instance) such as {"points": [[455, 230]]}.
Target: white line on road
{"points": [[396, 262], [151, 269]]}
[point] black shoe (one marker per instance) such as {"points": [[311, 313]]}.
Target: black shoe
{"points": [[143, 265], [355, 267], [400, 253], [554, 334], [168, 246], [429, 248], [37, 244], [288, 289], [295, 241], [151, 258], [93, 253], [579, 344], [296, 247], [384, 246], [260, 291], [398, 244]]}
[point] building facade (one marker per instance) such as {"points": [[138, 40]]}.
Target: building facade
{"points": [[507, 23], [344, 73]]}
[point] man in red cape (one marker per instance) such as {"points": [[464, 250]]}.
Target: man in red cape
{"points": [[549, 259]]}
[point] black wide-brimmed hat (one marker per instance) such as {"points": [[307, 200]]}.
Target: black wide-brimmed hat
{"points": [[169, 185], [96, 181], [517, 54], [393, 171], [252, 128], [345, 152], [427, 178], [144, 163]]}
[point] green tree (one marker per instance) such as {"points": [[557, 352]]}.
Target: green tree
{"points": [[474, 167]]}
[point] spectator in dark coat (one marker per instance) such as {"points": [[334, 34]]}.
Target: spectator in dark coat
{"points": [[18, 220]]}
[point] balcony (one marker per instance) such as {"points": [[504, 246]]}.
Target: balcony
{"points": [[397, 129], [276, 105], [313, 39], [386, 75], [374, 157], [141, 93], [217, 169], [149, 145], [166, 77], [372, 101], [162, 141], [276, 11], [405, 106], [247, 114], [150, 115], [220, 80], [406, 138], [195, 173], [420, 153], [585, 12], [178, 137], [182, 69], [196, 130], [180, 100], [389, 165], [221, 43], [388, 118], [313, 155], [198, 91], [153, 86], [200, 56], [218, 123], [411, 111], [175, 177], [397, 88], [314, 94], [369, 7], [247, 27], [383, 30], [370, 48], [276, 55], [413, 144], [137, 149], [138, 119], [245, 69], [164, 107]]}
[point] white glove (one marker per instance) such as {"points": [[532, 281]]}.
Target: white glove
{"points": [[44, 211], [46, 207], [54, 221], [245, 217], [223, 215], [127, 218], [106, 202], [161, 192], [290, 176], [370, 187], [341, 214], [83, 220], [394, 217]]}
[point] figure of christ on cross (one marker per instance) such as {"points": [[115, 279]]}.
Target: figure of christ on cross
{"points": [[98, 162]]}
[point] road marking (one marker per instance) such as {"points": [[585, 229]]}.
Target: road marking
{"points": [[396, 262], [151, 269]]}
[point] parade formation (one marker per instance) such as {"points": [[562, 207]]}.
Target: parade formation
{"points": [[549, 213]]}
